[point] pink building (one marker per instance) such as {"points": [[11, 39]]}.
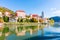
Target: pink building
{"points": [[21, 13]]}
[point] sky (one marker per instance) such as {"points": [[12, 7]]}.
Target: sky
{"points": [[50, 8]]}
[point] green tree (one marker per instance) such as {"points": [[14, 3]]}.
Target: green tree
{"points": [[51, 22], [6, 19], [34, 20]]}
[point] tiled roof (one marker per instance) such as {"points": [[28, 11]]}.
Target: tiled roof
{"points": [[20, 11], [34, 15]]}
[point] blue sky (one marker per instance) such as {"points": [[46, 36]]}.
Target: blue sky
{"points": [[50, 7]]}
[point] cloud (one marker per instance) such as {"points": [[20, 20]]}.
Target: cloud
{"points": [[57, 11], [53, 12], [52, 9]]}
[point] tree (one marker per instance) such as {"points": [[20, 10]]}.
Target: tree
{"points": [[34, 20], [6, 19], [51, 22], [41, 20], [1, 20], [20, 19]]}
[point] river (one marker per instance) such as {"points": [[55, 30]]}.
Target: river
{"points": [[39, 32]]}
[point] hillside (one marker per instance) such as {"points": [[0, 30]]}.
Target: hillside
{"points": [[56, 18], [3, 9]]}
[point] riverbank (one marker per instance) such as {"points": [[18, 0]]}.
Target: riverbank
{"points": [[21, 23], [24, 23]]}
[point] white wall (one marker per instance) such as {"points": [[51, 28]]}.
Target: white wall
{"points": [[1, 14]]}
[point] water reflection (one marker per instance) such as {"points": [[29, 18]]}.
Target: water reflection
{"points": [[23, 32]]}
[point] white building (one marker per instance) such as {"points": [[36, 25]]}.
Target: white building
{"points": [[12, 20], [45, 20], [21, 14], [1, 15]]}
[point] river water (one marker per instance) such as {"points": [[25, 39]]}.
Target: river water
{"points": [[39, 32]]}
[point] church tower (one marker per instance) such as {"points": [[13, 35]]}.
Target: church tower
{"points": [[42, 14]]}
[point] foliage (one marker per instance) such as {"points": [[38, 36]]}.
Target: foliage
{"points": [[27, 16], [23, 20], [34, 20], [1, 20], [20, 20], [5, 30], [6, 19], [41, 20], [20, 28], [51, 22], [27, 20]]}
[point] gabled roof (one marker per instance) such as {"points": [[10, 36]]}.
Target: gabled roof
{"points": [[34, 15], [20, 11]]}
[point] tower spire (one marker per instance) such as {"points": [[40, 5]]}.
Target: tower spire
{"points": [[42, 14]]}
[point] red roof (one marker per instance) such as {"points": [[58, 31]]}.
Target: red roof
{"points": [[20, 11], [34, 15]]}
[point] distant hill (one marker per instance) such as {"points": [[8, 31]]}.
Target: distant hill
{"points": [[56, 18], [3, 9]]}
